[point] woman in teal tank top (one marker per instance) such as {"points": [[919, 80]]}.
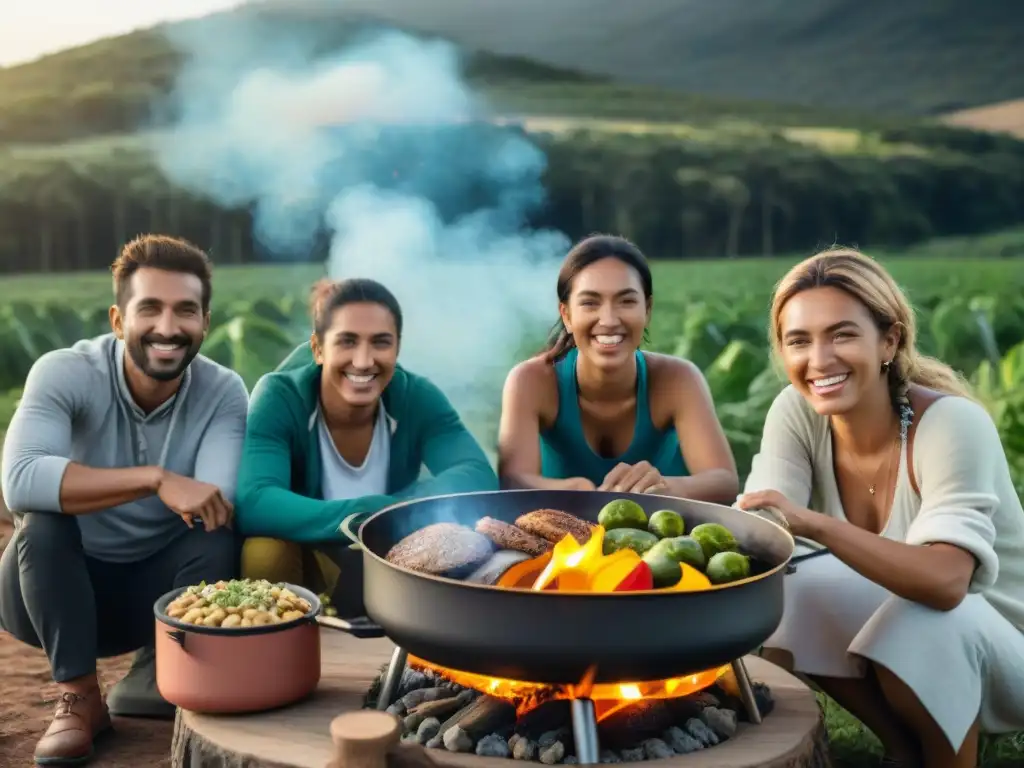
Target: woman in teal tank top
{"points": [[594, 412]]}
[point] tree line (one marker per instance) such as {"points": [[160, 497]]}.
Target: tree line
{"points": [[751, 192]]}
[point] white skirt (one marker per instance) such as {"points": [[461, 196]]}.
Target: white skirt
{"points": [[958, 663]]}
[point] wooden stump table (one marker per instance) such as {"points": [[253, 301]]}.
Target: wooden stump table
{"points": [[792, 736]]}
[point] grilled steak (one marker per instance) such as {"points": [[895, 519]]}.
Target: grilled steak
{"points": [[441, 549], [508, 536], [553, 524]]}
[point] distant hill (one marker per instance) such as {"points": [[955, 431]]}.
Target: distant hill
{"points": [[904, 57], [110, 86]]}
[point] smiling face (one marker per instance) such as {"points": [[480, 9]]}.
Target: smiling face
{"points": [[162, 323], [358, 352], [606, 312], [833, 350]]}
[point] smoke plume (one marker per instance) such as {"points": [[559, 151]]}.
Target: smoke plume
{"points": [[383, 148]]}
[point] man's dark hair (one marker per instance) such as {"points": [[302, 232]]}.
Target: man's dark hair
{"points": [[160, 252]]}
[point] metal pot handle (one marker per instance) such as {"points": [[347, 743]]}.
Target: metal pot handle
{"points": [[346, 528], [178, 636], [360, 627]]}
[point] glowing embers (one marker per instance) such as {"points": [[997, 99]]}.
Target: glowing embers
{"points": [[607, 697]]}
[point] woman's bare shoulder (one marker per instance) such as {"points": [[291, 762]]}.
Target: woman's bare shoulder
{"points": [[533, 383], [669, 371]]}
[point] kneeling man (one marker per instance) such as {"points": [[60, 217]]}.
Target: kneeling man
{"points": [[119, 467]]}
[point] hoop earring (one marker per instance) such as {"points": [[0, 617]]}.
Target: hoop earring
{"points": [[886, 366]]}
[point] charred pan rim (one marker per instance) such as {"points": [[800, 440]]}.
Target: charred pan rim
{"points": [[565, 593], [160, 608]]}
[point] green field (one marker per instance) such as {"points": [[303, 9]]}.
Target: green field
{"points": [[968, 294]]}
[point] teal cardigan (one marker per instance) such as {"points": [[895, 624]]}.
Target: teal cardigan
{"points": [[279, 484]]}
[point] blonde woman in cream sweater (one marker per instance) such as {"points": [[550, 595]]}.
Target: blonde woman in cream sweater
{"points": [[914, 618]]}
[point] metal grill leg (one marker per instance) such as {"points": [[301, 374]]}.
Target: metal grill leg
{"points": [[746, 691], [584, 731], [392, 679]]}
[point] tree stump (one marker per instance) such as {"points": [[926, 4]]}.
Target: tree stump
{"points": [[791, 736]]}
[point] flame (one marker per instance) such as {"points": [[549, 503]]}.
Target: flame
{"points": [[582, 567]]}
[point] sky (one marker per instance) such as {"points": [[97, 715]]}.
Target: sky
{"points": [[32, 28]]}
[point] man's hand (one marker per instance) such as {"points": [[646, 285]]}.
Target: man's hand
{"points": [[636, 478], [190, 499]]}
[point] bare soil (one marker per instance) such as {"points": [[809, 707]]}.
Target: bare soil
{"points": [[29, 698]]}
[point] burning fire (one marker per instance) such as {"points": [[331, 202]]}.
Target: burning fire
{"points": [[571, 566]]}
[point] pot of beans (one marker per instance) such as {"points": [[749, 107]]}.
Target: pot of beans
{"points": [[212, 640]]}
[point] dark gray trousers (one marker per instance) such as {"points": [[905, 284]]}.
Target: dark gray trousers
{"points": [[76, 608]]}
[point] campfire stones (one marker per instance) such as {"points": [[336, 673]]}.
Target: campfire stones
{"points": [[440, 714]]}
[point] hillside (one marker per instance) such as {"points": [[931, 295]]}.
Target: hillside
{"points": [[112, 86], [909, 57]]}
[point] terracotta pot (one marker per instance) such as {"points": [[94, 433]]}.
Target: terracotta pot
{"points": [[245, 669]]}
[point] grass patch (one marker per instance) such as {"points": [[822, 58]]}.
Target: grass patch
{"points": [[854, 746]]}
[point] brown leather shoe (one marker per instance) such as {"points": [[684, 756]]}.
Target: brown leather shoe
{"points": [[76, 724]]}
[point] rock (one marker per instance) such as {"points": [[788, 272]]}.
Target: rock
{"points": [[412, 679], [428, 729], [493, 745], [681, 742], [397, 709], [513, 739], [553, 753], [570, 760], [409, 738], [525, 749], [633, 755], [763, 697], [656, 749], [701, 732], [550, 737], [420, 695], [457, 740], [721, 721], [435, 742], [609, 756]]}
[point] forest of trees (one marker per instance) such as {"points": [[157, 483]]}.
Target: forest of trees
{"points": [[77, 178], [748, 193]]}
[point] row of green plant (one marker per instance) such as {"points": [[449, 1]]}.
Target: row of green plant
{"points": [[978, 331], [736, 190]]}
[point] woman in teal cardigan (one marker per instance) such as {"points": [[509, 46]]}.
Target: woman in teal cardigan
{"points": [[339, 431]]}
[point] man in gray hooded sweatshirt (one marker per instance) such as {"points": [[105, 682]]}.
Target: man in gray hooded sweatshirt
{"points": [[120, 467]]}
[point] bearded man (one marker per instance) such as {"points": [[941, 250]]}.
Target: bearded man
{"points": [[120, 467]]}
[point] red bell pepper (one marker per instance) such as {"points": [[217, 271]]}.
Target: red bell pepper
{"points": [[640, 578]]}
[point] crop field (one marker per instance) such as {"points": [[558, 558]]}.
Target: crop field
{"points": [[968, 293], [970, 307]]}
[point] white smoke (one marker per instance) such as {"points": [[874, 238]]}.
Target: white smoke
{"points": [[380, 147]]}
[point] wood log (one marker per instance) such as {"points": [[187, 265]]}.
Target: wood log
{"points": [[792, 736]]}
